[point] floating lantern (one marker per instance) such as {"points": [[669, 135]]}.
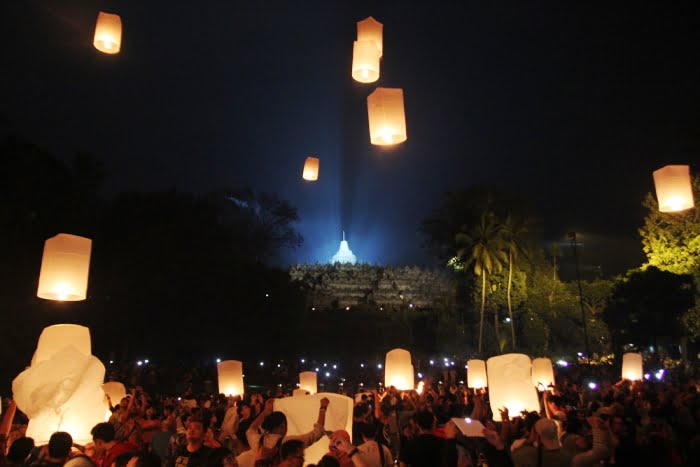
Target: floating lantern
{"points": [[108, 33], [476, 374], [542, 373], [64, 268], [369, 29], [398, 370], [311, 166], [365, 61], [674, 189], [307, 381], [302, 413], [632, 368], [62, 389], [387, 120], [116, 392], [230, 377], [510, 384]]}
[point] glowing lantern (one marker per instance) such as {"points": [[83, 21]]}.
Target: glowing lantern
{"points": [[302, 412], [307, 381], [365, 61], [64, 268], [510, 384], [476, 374], [108, 33], [674, 189], [369, 29], [62, 389], [230, 377], [542, 373], [632, 368], [116, 392], [387, 121], [299, 392], [311, 167], [398, 370]]}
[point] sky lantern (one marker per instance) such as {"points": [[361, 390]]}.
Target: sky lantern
{"points": [[311, 168], [365, 61], [632, 368], [371, 30], [64, 268], [674, 190], [542, 373], [302, 413], [387, 120], [230, 377], [476, 374], [62, 388], [307, 381], [510, 384], [398, 370], [108, 33]]}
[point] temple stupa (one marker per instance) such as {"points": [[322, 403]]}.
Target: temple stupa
{"points": [[344, 254]]}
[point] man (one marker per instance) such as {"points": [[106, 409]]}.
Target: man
{"points": [[292, 453], [59, 448], [373, 453], [542, 447], [426, 449], [195, 453], [106, 446]]}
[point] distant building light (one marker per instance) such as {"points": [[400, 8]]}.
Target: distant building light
{"points": [[563, 363]]}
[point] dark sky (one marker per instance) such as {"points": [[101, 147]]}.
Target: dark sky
{"points": [[571, 105]]}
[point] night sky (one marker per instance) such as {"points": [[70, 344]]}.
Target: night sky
{"points": [[570, 105]]}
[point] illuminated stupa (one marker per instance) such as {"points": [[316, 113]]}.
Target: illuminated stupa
{"points": [[344, 254]]}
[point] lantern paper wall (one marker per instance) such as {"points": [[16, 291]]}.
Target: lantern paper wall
{"points": [[632, 368], [398, 370], [387, 120], [365, 61], [62, 389], [230, 377], [476, 374], [369, 29], [307, 381], [108, 33], [510, 384], [65, 266], [300, 392], [542, 373], [116, 392], [302, 413], [311, 168], [674, 190]]}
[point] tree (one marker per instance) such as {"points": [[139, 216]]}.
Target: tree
{"points": [[648, 304], [483, 246], [514, 232]]}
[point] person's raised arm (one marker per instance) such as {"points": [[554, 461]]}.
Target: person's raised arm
{"points": [[261, 416], [322, 412]]}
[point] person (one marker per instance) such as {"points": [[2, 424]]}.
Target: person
{"points": [[373, 453], [426, 449], [195, 453], [542, 447], [333, 451], [107, 448], [58, 450], [20, 451], [292, 453]]}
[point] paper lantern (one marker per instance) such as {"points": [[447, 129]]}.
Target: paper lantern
{"points": [[300, 392], [116, 392], [311, 166], [387, 121], [62, 389], [510, 384], [674, 189], [307, 381], [64, 268], [398, 370], [369, 29], [108, 33], [302, 413], [542, 373], [230, 377], [476, 374], [632, 368], [365, 61]]}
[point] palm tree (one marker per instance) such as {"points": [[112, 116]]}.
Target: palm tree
{"points": [[514, 237], [485, 248]]}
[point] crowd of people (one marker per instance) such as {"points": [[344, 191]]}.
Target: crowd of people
{"points": [[581, 423]]}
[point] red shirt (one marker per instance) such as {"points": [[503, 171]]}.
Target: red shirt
{"points": [[116, 450]]}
